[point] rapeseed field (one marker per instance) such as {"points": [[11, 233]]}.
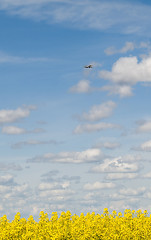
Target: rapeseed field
{"points": [[130, 225]]}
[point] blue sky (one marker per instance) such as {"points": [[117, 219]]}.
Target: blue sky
{"points": [[73, 138]]}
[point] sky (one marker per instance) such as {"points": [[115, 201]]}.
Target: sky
{"points": [[74, 138]]}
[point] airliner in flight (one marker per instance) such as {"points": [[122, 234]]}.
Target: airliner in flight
{"points": [[88, 66]]}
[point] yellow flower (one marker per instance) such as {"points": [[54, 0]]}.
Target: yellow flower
{"points": [[133, 225]]}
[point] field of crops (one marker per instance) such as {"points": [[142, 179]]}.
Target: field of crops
{"points": [[130, 225]]}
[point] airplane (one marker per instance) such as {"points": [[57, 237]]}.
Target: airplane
{"points": [[88, 66]]}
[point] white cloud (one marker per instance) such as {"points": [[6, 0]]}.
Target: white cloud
{"points": [[116, 165], [9, 167], [98, 185], [144, 127], [13, 130], [121, 90], [94, 127], [128, 70], [108, 145], [65, 184], [89, 155], [89, 196], [4, 189], [146, 146], [8, 116], [82, 87], [33, 142], [147, 195], [117, 176], [110, 51], [36, 130], [57, 194], [101, 15], [11, 189], [6, 58], [17, 3], [6, 179], [20, 189], [147, 175], [145, 45], [132, 191], [99, 112], [17, 197], [129, 46], [55, 191], [54, 185], [131, 158]]}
